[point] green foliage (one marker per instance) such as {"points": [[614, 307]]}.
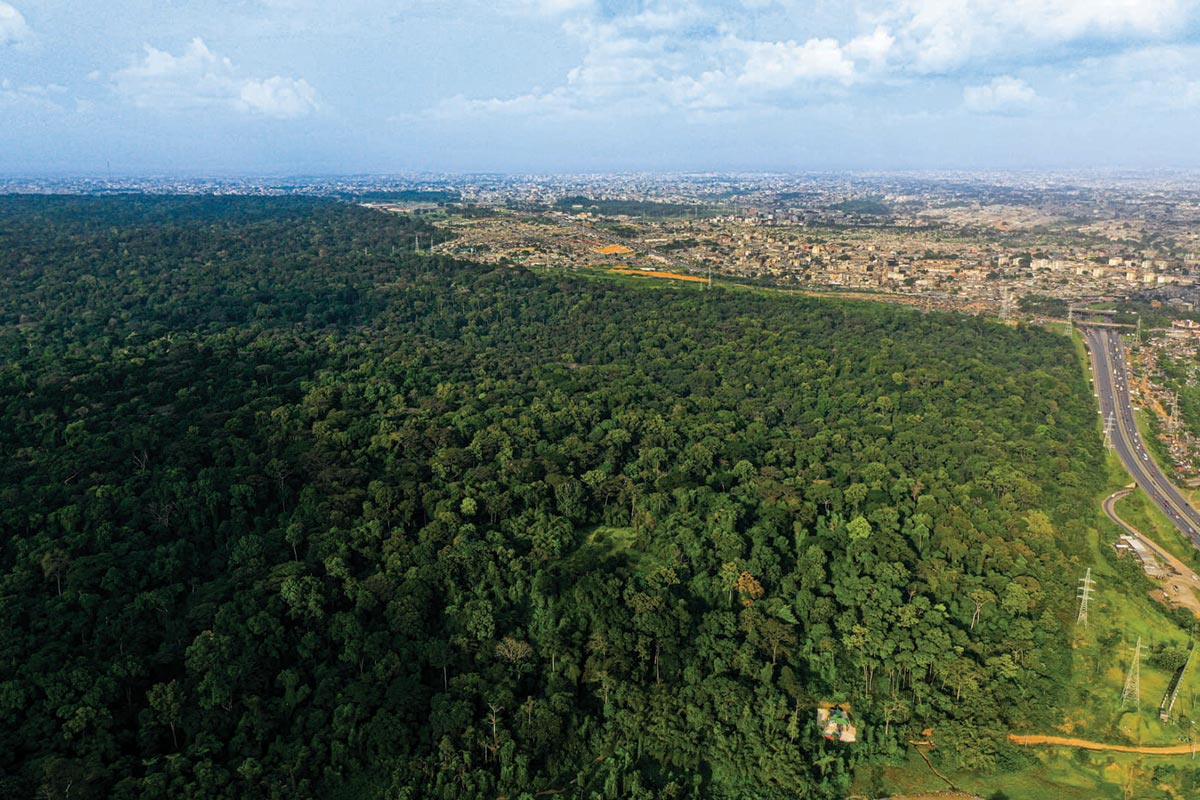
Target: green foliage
{"points": [[1042, 305], [634, 208], [411, 196], [867, 206], [289, 512], [1169, 656]]}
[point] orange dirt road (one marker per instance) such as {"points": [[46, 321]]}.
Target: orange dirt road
{"points": [[645, 273], [1167, 750]]}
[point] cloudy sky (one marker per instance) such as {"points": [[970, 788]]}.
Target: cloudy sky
{"points": [[310, 86]]}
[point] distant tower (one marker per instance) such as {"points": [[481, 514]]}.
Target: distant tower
{"points": [[1085, 592], [1108, 430], [1133, 681], [1070, 315]]}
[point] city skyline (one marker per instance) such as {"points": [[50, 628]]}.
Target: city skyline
{"points": [[290, 86]]}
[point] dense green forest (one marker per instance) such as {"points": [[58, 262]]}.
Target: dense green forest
{"points": [[289, 511]]}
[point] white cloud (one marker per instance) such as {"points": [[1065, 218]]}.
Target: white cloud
{"points": [[1004, 95], [198, 78], [546, 7], [703, 56], [13, 28], [457, 107], [1151, 79], [943, 35], [40, 97], [279, 97], [872, 48], [672, 56], [781, 65]]}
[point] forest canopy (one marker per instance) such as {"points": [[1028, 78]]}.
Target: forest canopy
{"points": [[288, 510]]}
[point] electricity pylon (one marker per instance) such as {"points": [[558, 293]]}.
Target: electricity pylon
{"points": [[1085, 592], [1133, 679]]}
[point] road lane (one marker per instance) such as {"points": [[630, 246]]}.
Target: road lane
{"points": [[1111, 380]]}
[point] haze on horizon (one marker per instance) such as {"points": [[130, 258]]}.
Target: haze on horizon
{"points": [[300, 86]]}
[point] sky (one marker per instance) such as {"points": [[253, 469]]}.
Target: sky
{"points": [[276, 87]]}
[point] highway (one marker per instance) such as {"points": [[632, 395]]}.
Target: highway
{"points": [[1111, 381]]}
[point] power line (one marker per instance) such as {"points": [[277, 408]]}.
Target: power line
{"points": [[1133, 679], [1085, 592]]}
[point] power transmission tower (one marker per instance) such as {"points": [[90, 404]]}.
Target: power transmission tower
{"points": [[1133, 680], [1108, 430], [1070, 315], [1085, 592]]}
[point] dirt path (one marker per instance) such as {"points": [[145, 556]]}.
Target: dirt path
{"points": [[1084, 744], [1180, 589], [929, 764], [647, 273]]}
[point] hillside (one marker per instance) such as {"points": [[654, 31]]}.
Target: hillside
{"points": [[287, 511]]}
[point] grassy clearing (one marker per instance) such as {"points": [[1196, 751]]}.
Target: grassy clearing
{"points": [[604, 542], [611, 540], [1103, 651], [1064, 773], [1053, 773], [1121, 610]]}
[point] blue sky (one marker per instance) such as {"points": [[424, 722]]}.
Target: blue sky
{"points": [[302, 86]]}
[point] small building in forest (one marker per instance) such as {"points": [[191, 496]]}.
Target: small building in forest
{"points": [[835, 724]]}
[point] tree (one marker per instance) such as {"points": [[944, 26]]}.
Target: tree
{"points": [[748, 587], [53, 563], [166, 700], [980, 597], [513, 650], [859, 529]]}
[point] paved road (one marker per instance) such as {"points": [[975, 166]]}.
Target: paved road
{"points": [[1112, 387], [1179, 576]]}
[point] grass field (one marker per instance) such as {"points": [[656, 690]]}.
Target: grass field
{"points": [[1118, 615], [1051, 773]]}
